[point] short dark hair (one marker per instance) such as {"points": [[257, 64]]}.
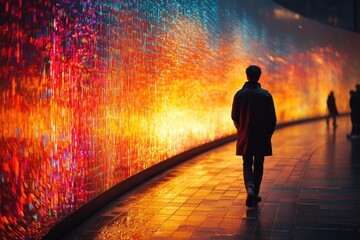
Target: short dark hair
{"points": [[253, 73]]}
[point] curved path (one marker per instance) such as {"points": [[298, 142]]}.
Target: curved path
{"points": [[310, 190]]}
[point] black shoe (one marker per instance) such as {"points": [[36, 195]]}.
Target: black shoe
{"points": [[250, 197], [257, 198]]}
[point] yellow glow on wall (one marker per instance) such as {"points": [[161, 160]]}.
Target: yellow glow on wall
{"points": [[92, 93]]}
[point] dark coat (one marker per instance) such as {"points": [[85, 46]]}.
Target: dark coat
{"points": [[355, 102], [253, 113], [332, 105], [355, 112]]}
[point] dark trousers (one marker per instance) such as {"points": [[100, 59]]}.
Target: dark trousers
{"points": [[355, 119], [354, 129], [333, 116], [253, 168]]}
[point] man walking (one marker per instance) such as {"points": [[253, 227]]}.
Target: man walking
{"points": [[253, 114], [333, 112], [355, 113]]}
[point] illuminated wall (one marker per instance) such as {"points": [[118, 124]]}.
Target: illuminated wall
{"points": [[92, 92]]}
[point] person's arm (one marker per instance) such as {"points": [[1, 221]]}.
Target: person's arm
{"points": [[235, 112], [272, 116]]}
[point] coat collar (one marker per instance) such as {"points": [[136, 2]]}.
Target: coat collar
{"points": [[249, 84]]}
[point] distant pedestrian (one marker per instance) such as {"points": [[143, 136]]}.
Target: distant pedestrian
{"points": [[354, 127], [333, 112], [355, 112], [253, 114]]}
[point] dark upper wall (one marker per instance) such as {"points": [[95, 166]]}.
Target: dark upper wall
{"points": [[343, 14]]}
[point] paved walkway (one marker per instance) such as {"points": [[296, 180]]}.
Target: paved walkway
{"points": [[310, 190]]}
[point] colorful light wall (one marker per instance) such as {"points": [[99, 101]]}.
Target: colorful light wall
{"points": [[95, 91]]}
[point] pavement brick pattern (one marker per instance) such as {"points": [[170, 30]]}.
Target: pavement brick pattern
{"points": [[310, 190]]}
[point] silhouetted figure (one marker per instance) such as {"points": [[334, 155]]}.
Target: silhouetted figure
{"points": [[253, 114], [355, 112], [333, 112], [352, 115]]}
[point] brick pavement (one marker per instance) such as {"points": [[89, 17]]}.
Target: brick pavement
{"points": [[310, 190]]}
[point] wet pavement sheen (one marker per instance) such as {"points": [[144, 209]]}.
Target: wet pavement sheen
{"points": [[310, 190]]}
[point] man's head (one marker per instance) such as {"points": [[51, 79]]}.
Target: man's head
{"points": [[357, 87], [253, 73]]}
